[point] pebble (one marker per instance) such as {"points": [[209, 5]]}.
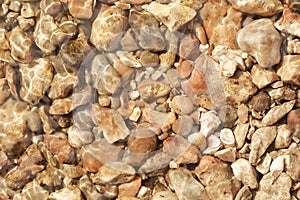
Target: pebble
{"points": [[150, 89], [227, 137], [261, 40], [68, 193], [189, 49], [260, 102], [293, 46], [289, 22], [229, 24], [258, 7], [185, 185], [245, 172], [78, 138], [28, 10], [111, 122], [114, 173], [131, 188], [81, 8], [128, 42], [172, 15], [159, 120], [279, 189], [227, 154], [277, 112], [224, 190], [32, 191], [243, 113], [88, 189], [62, 84], [164, 195], [182, 105], [146, 29], [244, 194], [51, 7], [61, 106], [142, 141], [108, 27], [211, 171], [61, 148], [229, 59], [260, 141], [263, 166], [263, 77], [181, 150], [36, 79], [277, 167], [185, 68], [284, 136], [293, 122], [209, 122], [158, 161], [183, 125], [21, 45], [149, 59], [239, 88], [289, 70]]}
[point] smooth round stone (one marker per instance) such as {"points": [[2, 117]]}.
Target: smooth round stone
{"points": [[182, 105]]}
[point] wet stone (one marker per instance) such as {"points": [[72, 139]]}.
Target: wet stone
{"points": [[145, 27], [21, 45], [51, 7], [68, 193], [266, 49], [81, 8], [108, 27], [114, 173]]}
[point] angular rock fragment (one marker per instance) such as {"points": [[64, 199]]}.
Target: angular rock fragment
{"points": [[62, 84], [239, 88], [277, 112], [244, 194], [146, 29], [108, 28], [284, 136], [130, 188], [88, 189], [51, 7], [260, 141], [293, 122], [78, 138], [36, 79], [21, 45], [114, 173], [262, 41], [258, 7], [111, 122], [33, 191], [243, 170], [279, 189], [61, 148], [224, 190], [61, 106], [263, 77], [158, 161], [211, 170], [227, 154], [289, 22], [68, 193], [289, 70], [209, 123], [173, 15], [185, 185], [81, 8]]}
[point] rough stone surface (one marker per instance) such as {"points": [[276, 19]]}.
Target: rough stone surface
{"points": [[185, 185], [262, 77], [289, 70], [289, 22], [262, 41], [243, 170], [108, 28], [81, 8], [260, 141], [260, 7], [173, 15]]}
